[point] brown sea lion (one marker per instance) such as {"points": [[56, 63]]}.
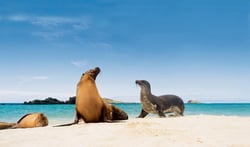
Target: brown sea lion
{"points": [[32, 120], [27, 121], [90, 107], [158, 104]]}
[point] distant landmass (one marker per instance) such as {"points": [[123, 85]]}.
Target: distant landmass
{"points": [[194, 102], [71, 100]]}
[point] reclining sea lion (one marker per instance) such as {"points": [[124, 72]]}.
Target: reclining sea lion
{"points": [[158, 104], [32, 120], [27, 121]]}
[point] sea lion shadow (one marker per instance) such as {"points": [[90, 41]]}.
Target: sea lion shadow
{"points": [[117, 121]]}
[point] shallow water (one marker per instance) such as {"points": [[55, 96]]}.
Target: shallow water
{"points": [[66, 113]]}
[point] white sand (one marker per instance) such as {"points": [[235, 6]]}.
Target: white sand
{"points": [[219, 131]]}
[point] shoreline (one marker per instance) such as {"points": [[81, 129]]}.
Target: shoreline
{"points": [[195, 130], [150, 116], [22, 103]]}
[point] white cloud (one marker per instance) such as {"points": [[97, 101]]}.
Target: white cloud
{"points": [[50, 35], [16, 92], [102, 45], [45, 21], [18, 18], [78, 23], [39, 78], [50, 27], [26, 79], [8, 96], [81, 26], [79, 64]]}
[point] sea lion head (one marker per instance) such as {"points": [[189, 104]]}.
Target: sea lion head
{"points": [[92, 72], [41, 120], [118, 114], [145, 86], [142, 83]]}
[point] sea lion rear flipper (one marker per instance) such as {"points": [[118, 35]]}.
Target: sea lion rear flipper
{"points": [[63, 125], [69, 124], [160, 112], [118, 114], [4, 125], [14, 126]]}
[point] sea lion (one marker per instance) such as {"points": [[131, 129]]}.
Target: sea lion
{"points": [[158, 104], [90, 106], [32, 120], [27, 121]]}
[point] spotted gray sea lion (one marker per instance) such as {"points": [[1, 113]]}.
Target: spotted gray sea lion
{"points": [[158, 104]]}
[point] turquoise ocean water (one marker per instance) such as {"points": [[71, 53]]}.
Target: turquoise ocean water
{"points": [[65, 113]]}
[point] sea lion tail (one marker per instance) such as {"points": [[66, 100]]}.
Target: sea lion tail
{"points": [[63, 125]]}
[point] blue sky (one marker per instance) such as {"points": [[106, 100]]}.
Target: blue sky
{"points": [[197, 49]]}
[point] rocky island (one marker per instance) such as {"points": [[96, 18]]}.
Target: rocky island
{"points": [[194, 102], [71, 100]]}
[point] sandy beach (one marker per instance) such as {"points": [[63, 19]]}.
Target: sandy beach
{"points": [[200, 130]]}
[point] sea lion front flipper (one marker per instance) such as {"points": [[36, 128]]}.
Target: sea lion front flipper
{"points": [[143, 114]]}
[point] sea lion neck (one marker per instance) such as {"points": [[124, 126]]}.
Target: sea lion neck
{"points": [[145, 90]]}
